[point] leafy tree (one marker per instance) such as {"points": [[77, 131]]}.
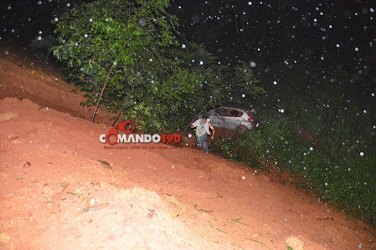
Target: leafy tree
{"points": [[114, 49], [124, 54], [244, 86]]}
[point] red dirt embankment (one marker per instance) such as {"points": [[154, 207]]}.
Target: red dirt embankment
{"points": [[62, 189]]}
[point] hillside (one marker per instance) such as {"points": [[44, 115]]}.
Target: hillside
{"points": [[62, 189]]}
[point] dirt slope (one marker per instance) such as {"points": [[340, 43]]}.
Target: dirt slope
{"points": [[62, 189]]}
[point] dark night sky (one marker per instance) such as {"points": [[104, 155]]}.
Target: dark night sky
{"points": [[288, 35], [324, 39]]}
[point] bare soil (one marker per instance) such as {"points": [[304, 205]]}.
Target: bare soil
{"points": [[62, 189]]}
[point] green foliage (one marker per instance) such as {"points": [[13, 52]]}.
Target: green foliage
{"points": [[244, 148], [335, 158], [129, 49], [121, 43], [244, 85]]}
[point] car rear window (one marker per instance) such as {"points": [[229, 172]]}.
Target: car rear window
{"points": [[235, 113]]}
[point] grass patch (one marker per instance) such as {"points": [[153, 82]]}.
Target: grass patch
{"points": [[335, 159]]}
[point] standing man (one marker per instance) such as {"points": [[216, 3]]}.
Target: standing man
{"points": [[203, 127]]}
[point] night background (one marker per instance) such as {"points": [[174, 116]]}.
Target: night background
{"points": [[325, 40], [332, 42], [317, 62]]}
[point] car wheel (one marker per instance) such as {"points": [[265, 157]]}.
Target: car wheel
{"points": [[241, 129]]}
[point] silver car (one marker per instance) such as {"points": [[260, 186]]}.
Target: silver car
{"points": [[234, 118]]}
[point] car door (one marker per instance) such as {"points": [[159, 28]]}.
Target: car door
{"points": [[233, 118], [216, 117]]}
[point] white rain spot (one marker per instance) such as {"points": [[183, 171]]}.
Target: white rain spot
{"points": [[275, 82], [6, 52], [281, 110], [39, 38], [337, 45], [311, 148], [9, 7], [253, 64], [91, 19], [201, 62], [372, 10], [179, 7], [326, 184], [372, 94], [361, 153], [189, 135], [330, 26], [85, 35], [183, 46], [150, 60], [365, 111], [286, 62], [68, 4], [56, 19], [243, 177], [40, 32], [106, 19], [243, 95], [356, 49], [39, 2]]}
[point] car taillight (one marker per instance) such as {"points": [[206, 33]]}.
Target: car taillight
{"points": [[250, 118]]}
